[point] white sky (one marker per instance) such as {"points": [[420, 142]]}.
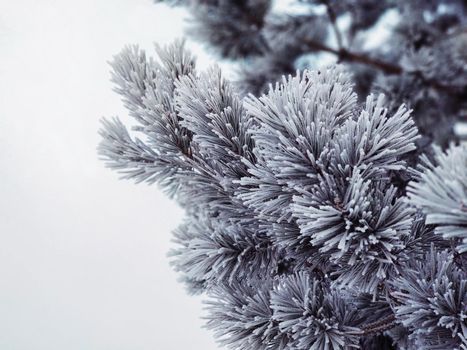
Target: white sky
{"points": [[82, 254]]}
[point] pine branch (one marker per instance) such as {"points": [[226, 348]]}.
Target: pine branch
{"points": [[386, 67], [379, 326], [376, 327], [346, 55], [295, 225]]}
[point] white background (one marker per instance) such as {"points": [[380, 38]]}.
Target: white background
{"points": [[82, 254]]}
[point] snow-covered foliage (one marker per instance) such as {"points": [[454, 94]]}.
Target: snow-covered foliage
{"points": [[308, 225], [442, 194]]}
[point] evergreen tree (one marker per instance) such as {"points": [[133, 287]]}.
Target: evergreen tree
{"points": [[320, 213]]}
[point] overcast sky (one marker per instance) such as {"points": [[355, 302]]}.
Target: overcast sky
{"points": [[82, 254]]}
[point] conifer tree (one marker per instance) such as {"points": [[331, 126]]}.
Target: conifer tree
{"points": [[320, 213]]}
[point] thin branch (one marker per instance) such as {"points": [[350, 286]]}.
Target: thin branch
{"points": [[388, 68], [376, 327], [380, 326], [345, 55], [333, 18]]}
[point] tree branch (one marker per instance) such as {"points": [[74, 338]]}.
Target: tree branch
{"points": [[377, 327], [345, 55], [380, 326], [333, 18], [386, 67]]}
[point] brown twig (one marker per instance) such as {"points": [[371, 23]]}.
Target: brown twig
{"points": [[345, 55], [386, 67], [380, 326], [333, 19]]}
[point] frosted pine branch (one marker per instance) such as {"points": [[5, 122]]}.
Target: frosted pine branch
{"points": [[308, 225]]}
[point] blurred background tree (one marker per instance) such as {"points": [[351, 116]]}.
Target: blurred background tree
{"points": [[415, 52]]}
